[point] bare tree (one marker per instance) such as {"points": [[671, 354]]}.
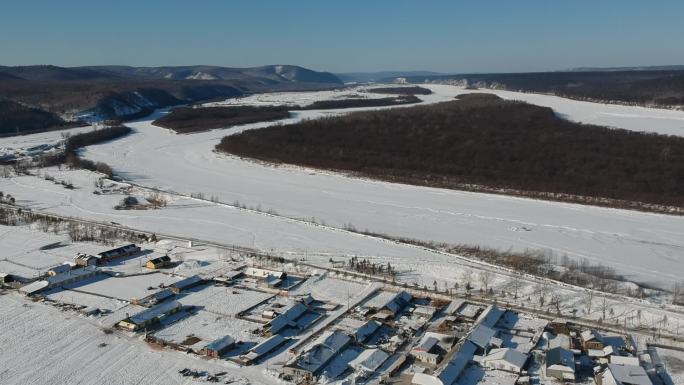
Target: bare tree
{"points": [[589, 301], [485, 278], [517, 283], [467, 277], [156, 199], [677, 292]]}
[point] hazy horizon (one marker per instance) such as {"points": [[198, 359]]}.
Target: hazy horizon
{"points": [[354, 36]]}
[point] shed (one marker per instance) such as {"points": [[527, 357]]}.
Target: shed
{"points": [[159, 262], [560, 364], [59, 269], [82, 259], [263, 348], [263, 273], [592, 339], [150, 316], [6, 278], [186, 283], [215, 348], [119, 252]]}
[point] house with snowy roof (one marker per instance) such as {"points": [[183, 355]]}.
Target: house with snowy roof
{"points": [[186, 283], [366, 330], [506, 359], [215, 348], [286, 319], [425, 351], [481, 336], [453, 370], [560, 364], [615, 374], [262, 349], [592, 340], [368, 361], [150, 316], [312, 361]]}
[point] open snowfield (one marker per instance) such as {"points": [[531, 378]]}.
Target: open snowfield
{"points": [[209, 326], [42, 345], [123, 288], [49, 137], [301, 99], [222, 301], [645, 247], [22, 255]]}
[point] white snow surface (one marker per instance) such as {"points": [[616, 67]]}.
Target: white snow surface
{"points": [[42, 345]]}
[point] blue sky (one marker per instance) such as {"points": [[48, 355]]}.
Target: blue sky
{"points": [[343, 36]]}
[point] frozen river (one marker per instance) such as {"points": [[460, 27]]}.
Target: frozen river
{"points": [[645, 247]]}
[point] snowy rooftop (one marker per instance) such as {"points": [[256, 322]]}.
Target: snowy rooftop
{"points": [[628, 374], [369, 360], [322, 351], [458, 362], [153, 312], [288, 318], [220, 343], [490, 316], [511, 356], [481, 335]]}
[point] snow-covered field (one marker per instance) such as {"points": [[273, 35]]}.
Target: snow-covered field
{"points": [[124, 288], [42, 345], [49, 137], [224, 301], [644, 247], [301, 99]]}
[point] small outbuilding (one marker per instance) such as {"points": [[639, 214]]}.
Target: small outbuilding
{"points": [[119, 252], [159, 262], [59, 269], [6, 278], [186, 283], [217, 347], [560, 364], [82, 259]]}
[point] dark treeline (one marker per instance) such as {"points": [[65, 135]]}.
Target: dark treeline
{"points": [[71, 145], [651, 87], [484, 141], [187, 119], [360, 102], [410, 90], [17, 119], [195, 119]]}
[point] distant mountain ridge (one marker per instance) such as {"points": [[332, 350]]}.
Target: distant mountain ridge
{"points": [[636, 68], [126, 92], [662, 88], [265, 74]]}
